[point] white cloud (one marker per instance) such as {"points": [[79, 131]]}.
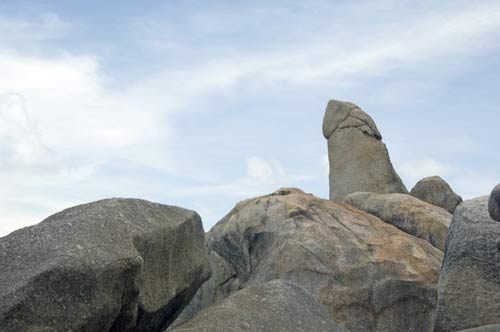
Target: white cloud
{"points": [[22, 32], [415, 170], [263, 171], [57, 80], [422, 38], [469, 183], [59, 124], [20, 139], [262, 176]]}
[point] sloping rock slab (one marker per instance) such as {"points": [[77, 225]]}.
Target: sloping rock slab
{"points": [[436, 191], [370, 275], [269, 307], [110, 265], [415, 217], [469, 284]]}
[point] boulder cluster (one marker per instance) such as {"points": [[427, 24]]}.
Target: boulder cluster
{"points": [[374, 257]]}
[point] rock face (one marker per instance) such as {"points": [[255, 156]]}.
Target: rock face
{"points": [[407, 213], [370, 275], [494, 203], [469, 284], [486, 328], [111, 265], [359, 161], [436, 191], [269, 307]]}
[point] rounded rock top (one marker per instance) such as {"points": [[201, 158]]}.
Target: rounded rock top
{"points": [[436, 191], [344, 114], [494, 203]]}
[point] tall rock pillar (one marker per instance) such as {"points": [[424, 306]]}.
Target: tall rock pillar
{"points": [[359, 160]]}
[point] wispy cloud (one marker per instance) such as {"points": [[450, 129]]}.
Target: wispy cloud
{"points": [[328, 55], [18, 32], [261, 176], [415, 170]]}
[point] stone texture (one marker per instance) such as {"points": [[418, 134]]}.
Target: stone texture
{"points": [[469, 284], [110, 265], [486, 328], [359, 160], [268, 307], [415, 217], [436, 191], [370, 275], [494, 203]]}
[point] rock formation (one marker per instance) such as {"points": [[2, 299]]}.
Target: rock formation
{"points": [[494, 203], [359, 161], [268, 307], [407, 213], [287, 261], [103, 266], [370, 275], [469, 284], [436, 191]]}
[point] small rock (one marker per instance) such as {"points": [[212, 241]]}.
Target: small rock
{"points": [[494, 203], [436, 191], [288, 191]]}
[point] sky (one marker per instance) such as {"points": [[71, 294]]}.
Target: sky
{"points": [[202, 104]]}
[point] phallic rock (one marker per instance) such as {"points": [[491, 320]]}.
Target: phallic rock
{"points": [[494, 203], [436, 191], [370, 275], [411, 215], [111, 265], [359, 160], [268, 307], [469, 283]]}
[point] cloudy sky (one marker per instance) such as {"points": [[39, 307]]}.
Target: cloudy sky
{"points": [[204, 103]]}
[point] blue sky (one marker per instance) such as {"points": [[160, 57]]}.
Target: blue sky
{"points": [[202, 104]]}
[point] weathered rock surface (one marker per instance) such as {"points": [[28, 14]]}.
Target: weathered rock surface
{"points": [[110, 265], [359, 160], [494, 203], [469, 284], [436, 191], [370, 275], [486, 328], [415, 217], [268, 307]]}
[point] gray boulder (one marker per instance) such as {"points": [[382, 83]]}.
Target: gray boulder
{"points": [[359, 160], [111, 265], [469, 283], [494, 203], [273, 306], [436, 191], [411, 215], [370, 275]]}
